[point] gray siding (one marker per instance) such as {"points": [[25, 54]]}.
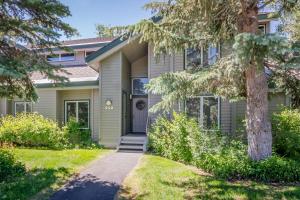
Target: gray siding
{"points": [[139, 68], [46, 104], [110, 88]]}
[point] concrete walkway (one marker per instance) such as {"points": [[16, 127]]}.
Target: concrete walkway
{"points": [[101, 180]]}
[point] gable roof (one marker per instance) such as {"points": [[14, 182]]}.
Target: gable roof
{"points": [[155, 19]]}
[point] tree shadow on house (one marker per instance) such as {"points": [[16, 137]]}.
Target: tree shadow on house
{"points": [[87, 187], [208, 187], [32, 183]]}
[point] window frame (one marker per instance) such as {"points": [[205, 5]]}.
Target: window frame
{"points": [[86, 52], [132, 86], [78, 101], [25, 107], [60, 56], [201, 117], [265, 28], [218, 46]]}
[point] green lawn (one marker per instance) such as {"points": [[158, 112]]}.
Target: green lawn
{"points": [[160, 178], [47, 170]]}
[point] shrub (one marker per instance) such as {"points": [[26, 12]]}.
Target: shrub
{"points": [[181, 139], [286, 133], [78, 136], [171, 138], [9, 166], [31, 130]]}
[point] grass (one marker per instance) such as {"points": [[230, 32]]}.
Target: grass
{"points": [[46, 171], [160, 178]]}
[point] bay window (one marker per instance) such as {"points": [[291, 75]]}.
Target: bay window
{"points": [[206, 110], [78, 110]]}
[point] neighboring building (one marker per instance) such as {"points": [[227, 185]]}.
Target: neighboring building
{"points": [[106, 90]]}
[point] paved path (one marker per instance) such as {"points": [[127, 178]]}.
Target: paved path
{"points": [[101, 180]]}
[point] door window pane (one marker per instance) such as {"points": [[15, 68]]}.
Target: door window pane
{"points": [[138, 86], [210, 112], [83, 114]]}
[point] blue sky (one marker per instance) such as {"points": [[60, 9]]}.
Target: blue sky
{"points": [[87, 13]]}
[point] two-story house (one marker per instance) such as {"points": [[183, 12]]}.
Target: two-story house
{"points": [[106, 90]]}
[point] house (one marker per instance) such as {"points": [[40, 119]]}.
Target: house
{"points": [[106, 90]]}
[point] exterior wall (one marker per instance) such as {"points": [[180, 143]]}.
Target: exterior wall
{"points": [[139, 68], [46, 104], [225, 116], [3, 107], [239, 110], [110, 88]]}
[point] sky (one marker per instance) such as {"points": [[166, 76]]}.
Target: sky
{"points": [[87, 13]]}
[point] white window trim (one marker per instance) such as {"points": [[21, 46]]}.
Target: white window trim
{"points": [[78, 101], [202, 57], [200, 120], [132, 85], [25, 106], [265, 27], [59, 57]]}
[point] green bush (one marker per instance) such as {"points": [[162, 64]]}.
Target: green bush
{"points": [[9, 166], [181, 139], [77, 136], [286, 133], [31, 130], [171, 138]]}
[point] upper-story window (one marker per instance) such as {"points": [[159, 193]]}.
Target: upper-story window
{"points": [[201, 57], [262, 28], [61, 57], [87, 53], [138, 86], [53, 57], [67, 57]]}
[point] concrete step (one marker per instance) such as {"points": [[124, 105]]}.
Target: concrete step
{"points": [[133, 139], [123, 146]]}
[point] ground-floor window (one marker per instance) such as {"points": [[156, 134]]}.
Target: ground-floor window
{"points": [[79, 110], [23, 106], [206, 109]]}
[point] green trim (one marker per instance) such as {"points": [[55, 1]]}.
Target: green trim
{"points": [[106, 48], [68, 84]]}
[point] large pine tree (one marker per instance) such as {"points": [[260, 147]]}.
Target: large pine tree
{"points": [[194, 23], [26, 26]]}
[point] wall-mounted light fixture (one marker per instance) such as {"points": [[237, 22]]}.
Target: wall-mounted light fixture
{"points": [[108, 104]]}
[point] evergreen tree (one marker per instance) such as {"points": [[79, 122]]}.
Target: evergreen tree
{"points": [[104, 31], [26, 26], [186, 24]]}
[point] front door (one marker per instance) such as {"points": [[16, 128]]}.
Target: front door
{"points": [[140, 114]]}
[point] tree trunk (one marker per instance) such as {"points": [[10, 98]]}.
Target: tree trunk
{"points": [[258, 125]]}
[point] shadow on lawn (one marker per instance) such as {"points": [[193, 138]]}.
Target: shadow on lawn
{"points": [[33, 182], [211, 188]]}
